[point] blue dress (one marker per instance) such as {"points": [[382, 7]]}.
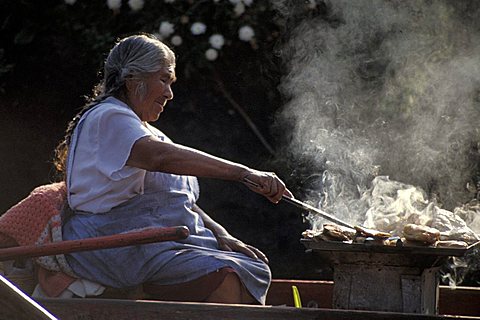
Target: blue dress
{"points": [[167, 201]]}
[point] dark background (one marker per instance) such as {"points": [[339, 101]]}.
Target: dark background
{"points": [[50, 58]]}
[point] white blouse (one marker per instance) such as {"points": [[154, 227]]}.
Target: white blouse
{"points": [[98, 178]]}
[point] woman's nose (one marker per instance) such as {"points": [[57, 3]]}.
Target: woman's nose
{"points": [[168, 93]]}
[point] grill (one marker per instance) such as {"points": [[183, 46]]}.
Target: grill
{"points": [[384, 278]]}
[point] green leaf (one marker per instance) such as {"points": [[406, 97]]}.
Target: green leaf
{"points": [[25, 36]]}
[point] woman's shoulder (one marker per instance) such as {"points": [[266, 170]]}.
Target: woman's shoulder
{"points": [[157, 132], [112, 107]]}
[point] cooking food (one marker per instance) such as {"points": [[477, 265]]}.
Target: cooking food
{"points": [[451, 244], [365, 232], [413, 235], [311, 234], [394, 241], [460, 235], [415, 232], [331, 232], [335, 232]]}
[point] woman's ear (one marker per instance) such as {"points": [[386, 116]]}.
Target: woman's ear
{"points": [[131, 85]]}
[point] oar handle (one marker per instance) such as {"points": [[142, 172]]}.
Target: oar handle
{"points": [[145, 236]]}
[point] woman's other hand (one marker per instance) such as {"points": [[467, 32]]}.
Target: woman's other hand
{"points": [[229, 243], [225, 240], [267, 184]]}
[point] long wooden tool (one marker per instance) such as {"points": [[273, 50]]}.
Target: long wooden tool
{"points": [[323, 214], [145, 236], [304, 206]]}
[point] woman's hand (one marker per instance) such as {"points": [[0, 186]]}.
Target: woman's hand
{"points": [[266, 184], [225, 240], [229, 243]]}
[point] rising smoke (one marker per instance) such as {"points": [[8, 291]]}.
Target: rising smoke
{"points": [[379, 87]]}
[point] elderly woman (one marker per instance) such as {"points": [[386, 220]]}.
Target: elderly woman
{"points": [[124, 174]]}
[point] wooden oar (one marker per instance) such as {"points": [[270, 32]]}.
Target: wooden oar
{"points": [[118, 240]]}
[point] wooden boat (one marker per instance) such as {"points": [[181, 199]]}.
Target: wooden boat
{"points": [[316, 296], [454, 303]]}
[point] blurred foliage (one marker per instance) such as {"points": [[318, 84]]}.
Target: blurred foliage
{"points": [[92, 27], [61, 44], [226, 47], [4, 67]]}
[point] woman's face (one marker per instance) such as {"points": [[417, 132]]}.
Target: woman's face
{"points": [[158, 87]]}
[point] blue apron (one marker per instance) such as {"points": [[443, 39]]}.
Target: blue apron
{"points": [[167, 201]]}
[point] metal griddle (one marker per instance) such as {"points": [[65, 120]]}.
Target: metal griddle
{"points": [[376, 248]]}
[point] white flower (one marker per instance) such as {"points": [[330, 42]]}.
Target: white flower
{"points": [[136, 5], [248, 2], [211, 54], [114, 4], [235, 1], [70, 2], [198, 28], [246, 33], [216, 41], [239, 9], [176, 40], [166, 29]]}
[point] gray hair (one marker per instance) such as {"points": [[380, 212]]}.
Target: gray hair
{"points": [[135, 56]]}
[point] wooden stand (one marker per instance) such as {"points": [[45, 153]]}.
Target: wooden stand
{"points": [[384, 278], [382, 288]]}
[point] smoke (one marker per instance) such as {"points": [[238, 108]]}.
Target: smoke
{"points": [[386, 88]]}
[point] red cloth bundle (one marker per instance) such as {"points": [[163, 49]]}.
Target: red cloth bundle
{"points": [[36, 220]]}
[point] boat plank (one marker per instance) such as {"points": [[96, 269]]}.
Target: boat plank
{"points": [[16, 305], [107, 309], [459, 300], [452, 301], [312, 292]]}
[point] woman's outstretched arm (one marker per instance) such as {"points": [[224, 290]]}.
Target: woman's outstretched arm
{"points": [[152, 154]]}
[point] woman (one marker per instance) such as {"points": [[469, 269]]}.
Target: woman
{"points": [[124, 174]]}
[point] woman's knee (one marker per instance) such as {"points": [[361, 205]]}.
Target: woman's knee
{"points": [[231, 290]]}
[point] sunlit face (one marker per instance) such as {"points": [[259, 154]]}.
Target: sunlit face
{"points": [[158, 91]]}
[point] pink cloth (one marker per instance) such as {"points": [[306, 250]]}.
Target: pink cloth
{"points": [[36, 220]]}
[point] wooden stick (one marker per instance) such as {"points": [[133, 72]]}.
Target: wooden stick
{"points": [[305, 206], [118, 240], [17, 305], [243, 114]]}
